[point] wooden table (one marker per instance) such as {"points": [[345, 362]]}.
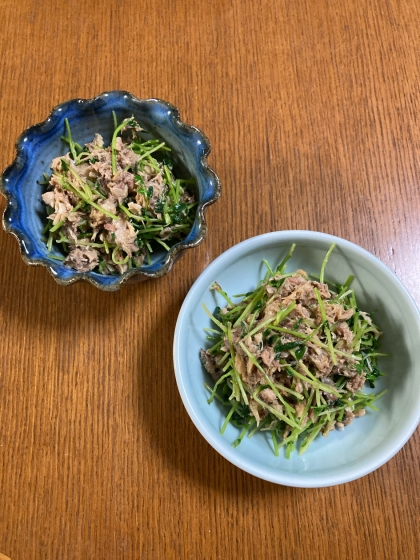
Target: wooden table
{"points": [[312, 108]]}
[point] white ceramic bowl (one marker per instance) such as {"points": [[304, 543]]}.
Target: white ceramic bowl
{"points": [[369, 441]]}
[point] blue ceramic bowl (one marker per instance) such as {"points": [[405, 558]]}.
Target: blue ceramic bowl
{"points": [[369, 441], [25, 214]]}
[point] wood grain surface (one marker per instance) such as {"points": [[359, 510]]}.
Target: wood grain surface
{"points": [[312, 108]]}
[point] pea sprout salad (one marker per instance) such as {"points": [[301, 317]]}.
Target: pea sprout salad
{"points": [[292, 357], [110, 207]]}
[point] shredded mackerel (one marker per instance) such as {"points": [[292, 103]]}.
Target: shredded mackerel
{"points": [[92, 233], [290, 362]]}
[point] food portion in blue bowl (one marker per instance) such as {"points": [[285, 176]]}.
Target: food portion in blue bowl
{"points": [[70, 129]]}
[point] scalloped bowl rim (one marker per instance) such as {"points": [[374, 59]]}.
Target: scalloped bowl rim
{"points": [[174, 251]]}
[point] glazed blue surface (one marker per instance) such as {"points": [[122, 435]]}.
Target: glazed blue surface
{"points": [[25, 215]]}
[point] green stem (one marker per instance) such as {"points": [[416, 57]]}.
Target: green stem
{"points": [[70, 139], [286, 258], [232, 353], [57, 226], [114, 145], [213, 393], [151, 151], [276, 413], [277, 318], [324, 263], [114, 259], [259, 294], [229, 416], [215, 321], [81, 195], [326, 327]]}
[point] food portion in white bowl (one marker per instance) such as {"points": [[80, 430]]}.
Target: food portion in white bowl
{"points": [[291, 357], [369, 441]]}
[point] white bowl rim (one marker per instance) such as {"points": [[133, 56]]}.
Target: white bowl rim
{"points": [[285, 478]]}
